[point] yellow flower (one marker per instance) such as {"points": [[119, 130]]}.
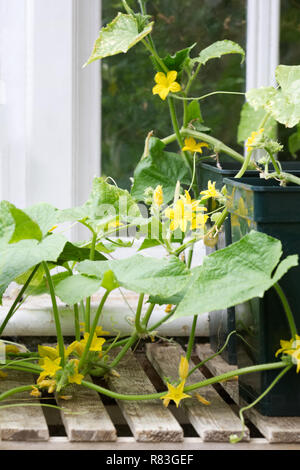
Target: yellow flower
{"points": [[35, 392], [52, 228], [50, 384], [210, 191], [202, 399], [199, 221], [53, 353], [75, 378], [114, 224], [251, 140], [186, 211], [165, 84], [175, 393], [96, 344], [291, 348], [99, 331], [168, 308], [11, 348], [183, 368], [192, 146], [158, 196], [50, 367]]}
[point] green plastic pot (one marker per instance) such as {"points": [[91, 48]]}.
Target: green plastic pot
{"points": [[265, 206]]}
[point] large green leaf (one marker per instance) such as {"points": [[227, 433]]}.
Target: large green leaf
{"points": [[217, 49], [106, 203], [44, 215], [178, 60], [159, 168], [250, 121], [119, 36], [73, 289], [17, 258], [143, 274], [235, 274], [72, 252], [283, 104], [43, 287]]}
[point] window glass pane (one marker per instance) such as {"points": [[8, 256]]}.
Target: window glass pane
{"points": [[289, 55], [130, 110]]}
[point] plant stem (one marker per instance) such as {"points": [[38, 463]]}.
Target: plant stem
{"points": [[76, 322], [287, 309], [191, 338], [204, 383], [138, 326], [87, 320], [147, 316], [92, 331], [17, 300], [215, 143], [123, 351], [199, 98], [60, 339]]}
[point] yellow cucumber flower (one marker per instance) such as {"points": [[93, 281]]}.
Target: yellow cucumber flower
{"points": [[251, 140], [50, 384], [158, 196], [96, 344], [11, 348], [210, 191], [185, 211], [165, 84], [75, 378], [192, 146], [183, 368], [53, 353], [50, 367], [35, 392], [175, 393], [99, 330], [291, 348]]}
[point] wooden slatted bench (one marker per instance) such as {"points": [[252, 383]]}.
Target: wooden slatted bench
{"points": [[104, 424]]}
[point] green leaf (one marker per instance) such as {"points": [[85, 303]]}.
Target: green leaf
{"points": [[7, 223], [106, 203], [119, 36], [17, 258], [143, 274], [44, 215], [25, 227], [75, 288], [160, 168], [250, 261], [178, 60], [294, 142], [250, 121], [217, 49], [75, 253], [148, 243], [194, 112], [282, 104], [43, 287]]}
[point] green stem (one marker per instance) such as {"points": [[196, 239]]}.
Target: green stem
{"points": [[234, 439], [91, 334], [123, 351], [76, 322], [17, 300], [215, 143], [13, 391], [147, 316], [190, 388], [287, 309], [276, 167], [191, 338], [60, 339], [87, 320], [199, 98], [138, 326], [200, 364]]}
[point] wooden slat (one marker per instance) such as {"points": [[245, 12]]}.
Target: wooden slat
{"points": [[218, 366], [275, 429], [214, 423], [148, 420], [94, 424], [21, 423]]}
